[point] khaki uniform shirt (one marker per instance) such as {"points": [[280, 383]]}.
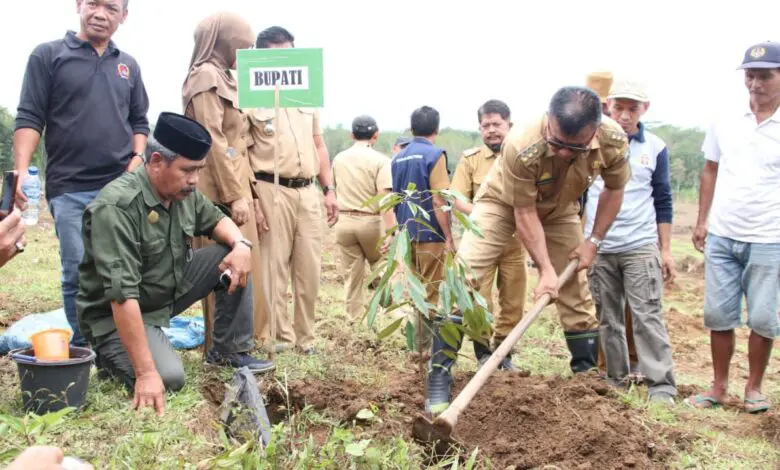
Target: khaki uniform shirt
{"points": [[360, 173], [296, 129], [228, 175], [528, 172], [134, 248], [472, 169]]}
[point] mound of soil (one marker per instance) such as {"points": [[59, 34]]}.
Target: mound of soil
{"points": [[570, 423], [515, 421]]}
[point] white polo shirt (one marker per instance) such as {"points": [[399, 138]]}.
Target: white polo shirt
{"points": [[746, 205]]}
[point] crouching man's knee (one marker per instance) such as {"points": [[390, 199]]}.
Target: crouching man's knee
{"points": [[173, 378]]}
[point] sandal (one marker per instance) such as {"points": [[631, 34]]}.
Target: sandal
{"points": [[756, 405], [703, 402]]}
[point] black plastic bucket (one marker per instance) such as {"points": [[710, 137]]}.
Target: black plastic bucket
{"points": [[53, 385]]}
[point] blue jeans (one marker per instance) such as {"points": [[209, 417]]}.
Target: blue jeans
{"points": [[733, 269], [68, 210]]}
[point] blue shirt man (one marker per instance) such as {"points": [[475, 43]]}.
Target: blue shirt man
{"points": [[634, 259]]}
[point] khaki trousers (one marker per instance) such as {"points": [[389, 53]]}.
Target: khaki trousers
{"points": [[358, 239], [291, 252], [248, 230], [428, 259], [563, 233], [632, 356], [510, 273]]}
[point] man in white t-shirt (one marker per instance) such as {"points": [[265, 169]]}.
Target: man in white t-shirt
{"points": [[740, 183]]}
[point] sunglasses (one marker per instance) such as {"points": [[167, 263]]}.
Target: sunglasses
{"points": [[558, 145]]}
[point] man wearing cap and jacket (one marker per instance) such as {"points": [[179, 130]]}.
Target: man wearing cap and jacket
{"points": [[635, 257], [360, 173], [509, 270], [139, 267], [601, 82], [741, 243]]}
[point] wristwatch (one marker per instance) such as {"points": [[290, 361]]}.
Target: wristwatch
{"points": [[139, 155], [328, 188], [595, 241], [244, 241]]}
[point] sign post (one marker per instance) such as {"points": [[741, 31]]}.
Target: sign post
{"points": [[278, 78]]}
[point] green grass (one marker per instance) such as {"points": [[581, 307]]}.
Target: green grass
{"points": [[110, 435]]}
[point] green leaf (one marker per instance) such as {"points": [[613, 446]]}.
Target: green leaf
{"points": [[392, 200], [410, 336], [390, 329], [424, 224], [357, 449], [404, 247], [417, 292], [468, 223], [370, 202], [422, 211], [373, 306], [398, 293], [450, 334], [376, 272]]}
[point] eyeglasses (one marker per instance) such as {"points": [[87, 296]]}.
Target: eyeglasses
{"points": [[558, 145]]}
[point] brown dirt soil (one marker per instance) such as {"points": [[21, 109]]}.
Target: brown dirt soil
{"points": [[525, 422], [770, 428]]}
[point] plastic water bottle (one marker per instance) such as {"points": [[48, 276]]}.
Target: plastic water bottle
{"points": [[31, 187]]}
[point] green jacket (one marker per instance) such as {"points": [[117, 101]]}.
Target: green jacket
{"points": [[134, 248]]}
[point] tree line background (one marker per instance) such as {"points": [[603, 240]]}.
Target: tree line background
{"points": [[684, 146]]}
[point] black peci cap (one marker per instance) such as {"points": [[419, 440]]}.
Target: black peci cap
{"points": [[186, 137]]}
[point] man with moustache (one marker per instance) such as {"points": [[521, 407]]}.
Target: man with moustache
{"points": [[89, 97], [140, 270], [473, 167], [532, 193]]}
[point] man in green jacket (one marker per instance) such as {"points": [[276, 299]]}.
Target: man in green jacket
{"points": [[139, 268]]}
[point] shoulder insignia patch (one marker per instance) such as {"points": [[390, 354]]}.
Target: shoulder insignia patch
{"points": [[532, 152], [471, 152], [616, 138]]}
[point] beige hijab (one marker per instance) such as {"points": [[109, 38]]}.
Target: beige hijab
{"points": [[216, 39]]}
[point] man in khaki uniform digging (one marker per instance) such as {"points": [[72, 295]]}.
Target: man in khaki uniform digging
{"points": [[472, 169], [360, 173], [295, 252], [533, 190]]}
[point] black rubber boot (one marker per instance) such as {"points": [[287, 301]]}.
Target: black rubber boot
{"points": [[584, 347], [482, 353], [439, 372]]}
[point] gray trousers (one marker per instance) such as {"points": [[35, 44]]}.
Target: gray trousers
{"points": [[233, 324], [634, 277]]}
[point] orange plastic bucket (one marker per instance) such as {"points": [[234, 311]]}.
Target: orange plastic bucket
{"points": [[51, 345]]}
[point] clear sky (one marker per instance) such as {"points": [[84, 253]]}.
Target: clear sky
{"points": [[386, 58]]}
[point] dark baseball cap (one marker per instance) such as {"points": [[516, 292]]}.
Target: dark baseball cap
{"points": [[765, 55], [402, 141], [364, 124]]}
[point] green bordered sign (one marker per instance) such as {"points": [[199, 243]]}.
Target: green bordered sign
{"points": [[297, 71]]}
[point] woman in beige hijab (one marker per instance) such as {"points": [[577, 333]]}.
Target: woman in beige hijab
{"points": [[210, 96]]}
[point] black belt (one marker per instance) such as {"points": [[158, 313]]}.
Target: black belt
{"points": [[286, 182]]}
